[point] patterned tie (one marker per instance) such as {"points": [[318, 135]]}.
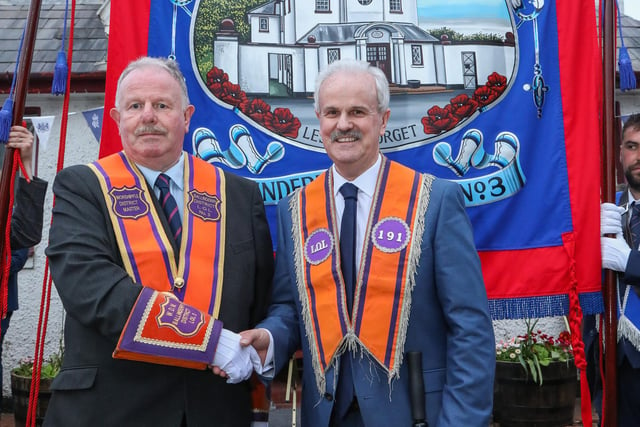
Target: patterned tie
{"points": [[345, 392], [170, 207]]}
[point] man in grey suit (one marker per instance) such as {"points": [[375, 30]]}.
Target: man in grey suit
{"points": [[415, 272], [144, 269]]}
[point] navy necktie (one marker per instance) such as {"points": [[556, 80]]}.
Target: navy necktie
{"points": [[344, 391], [634, 228], [634, 225], [170, 207], [348, 240]]}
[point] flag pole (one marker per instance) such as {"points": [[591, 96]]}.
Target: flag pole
{"points": [[22, 80], [608, 192]]}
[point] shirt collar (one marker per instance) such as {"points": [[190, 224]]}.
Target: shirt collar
{"points": [[175, 172], [366, 182]]}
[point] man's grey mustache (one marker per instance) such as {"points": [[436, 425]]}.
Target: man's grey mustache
{"points": [[150, 129], [351, 134]]}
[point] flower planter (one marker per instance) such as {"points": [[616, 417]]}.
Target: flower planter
{"points": [[20, 388], [519, 402]]}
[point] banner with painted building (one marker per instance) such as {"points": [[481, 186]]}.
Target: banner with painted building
{"points": [[499, 96]]}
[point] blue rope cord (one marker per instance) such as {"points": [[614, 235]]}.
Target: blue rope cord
{"points": [[15, 70]]}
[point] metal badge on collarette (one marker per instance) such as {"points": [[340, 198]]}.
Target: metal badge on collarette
{"points": [[318, 246], [391, 234], [128, 202], [204, 205]]}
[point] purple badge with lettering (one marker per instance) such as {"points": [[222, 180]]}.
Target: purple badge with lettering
{"points": [[204, 205], [128, 202], [318, 246], [183, 319], [391, 234]]}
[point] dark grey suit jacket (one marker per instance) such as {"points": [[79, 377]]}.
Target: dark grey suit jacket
{"points": [[94, 389]]}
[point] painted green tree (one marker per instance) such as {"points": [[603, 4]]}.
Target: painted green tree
{"points": [[207, 23], [475, 37]]}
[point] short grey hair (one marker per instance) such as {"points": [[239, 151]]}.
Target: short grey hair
{"points": [[168, 65], [355, 66]]}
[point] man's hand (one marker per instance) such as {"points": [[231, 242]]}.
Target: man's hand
{"points": [[259, 339], [21, 139], [610, 219]]}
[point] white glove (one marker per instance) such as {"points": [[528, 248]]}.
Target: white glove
{"points": [[611, 219], [232, 358], [255, 360], [615, 253]]}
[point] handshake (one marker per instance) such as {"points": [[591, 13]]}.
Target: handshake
{"points": [[236, 360]]}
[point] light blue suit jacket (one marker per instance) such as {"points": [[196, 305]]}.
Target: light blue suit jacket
{"points": [[449, 323]]}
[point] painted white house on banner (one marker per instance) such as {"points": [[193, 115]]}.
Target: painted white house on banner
{"points": [[292, 40]]}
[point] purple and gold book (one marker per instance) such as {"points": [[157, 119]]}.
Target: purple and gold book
{"points": [[162, 329]]}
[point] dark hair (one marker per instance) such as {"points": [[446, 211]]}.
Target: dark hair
{"points": [[633, 122]]}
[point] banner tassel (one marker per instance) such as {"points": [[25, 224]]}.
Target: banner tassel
{"points": [[6, 115], [60, 72], [625, 68]]}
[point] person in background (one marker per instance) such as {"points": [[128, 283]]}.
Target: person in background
{"points": [[18, 261], [620, 253], [150, 249], [359, 294], [26, 222], [26, 219]]}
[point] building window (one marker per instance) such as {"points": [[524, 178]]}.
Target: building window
{"points": [[416, 54], [376, 53], [364, 2], [395, 5], [264, 25], [333, 55], [322, 6]]}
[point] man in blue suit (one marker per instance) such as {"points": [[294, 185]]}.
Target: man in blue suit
{"points": [[417, 282]]}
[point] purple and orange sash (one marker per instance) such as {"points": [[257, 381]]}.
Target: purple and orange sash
{"points": [[145, 247], [386, 276]]}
